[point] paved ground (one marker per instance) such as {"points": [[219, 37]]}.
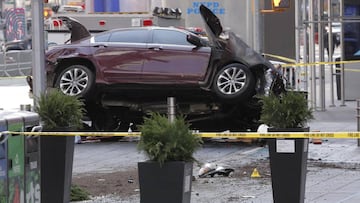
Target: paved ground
{"points": [[333, 168], [333, 173]]}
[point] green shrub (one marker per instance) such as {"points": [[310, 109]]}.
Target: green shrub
{"points": [[164, 141], [288, 110], [78, 194]]}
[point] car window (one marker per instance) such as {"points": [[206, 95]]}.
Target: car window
{"points": [[134, 36], [102, 37], [170, 37]]}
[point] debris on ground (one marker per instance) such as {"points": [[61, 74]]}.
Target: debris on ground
{"points": [[211, 170]]}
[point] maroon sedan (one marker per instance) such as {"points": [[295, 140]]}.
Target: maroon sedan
{"points": [[127, 71]]}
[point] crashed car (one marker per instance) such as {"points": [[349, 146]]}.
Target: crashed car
{"points": [[124, 73]]}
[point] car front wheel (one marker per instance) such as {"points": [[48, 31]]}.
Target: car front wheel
{"points": [[75, 80], [234, 81]]}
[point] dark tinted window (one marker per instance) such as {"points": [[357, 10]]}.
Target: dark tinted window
{"points": [[170, 37], [2, 151], [351, 33], [134, 36], [102, 37]]}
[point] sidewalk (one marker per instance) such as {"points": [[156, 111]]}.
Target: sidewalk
{"points": [[340, 182], [335, 185], [335, 178], [333, 169]]}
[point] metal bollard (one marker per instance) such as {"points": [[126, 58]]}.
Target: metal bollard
{"points": [[171, 109]]}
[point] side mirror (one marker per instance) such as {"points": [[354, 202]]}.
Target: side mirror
{"points": [[194, 40]]}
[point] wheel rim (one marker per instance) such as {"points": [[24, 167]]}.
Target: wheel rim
{"points": [[74, 81], [231, 80]]}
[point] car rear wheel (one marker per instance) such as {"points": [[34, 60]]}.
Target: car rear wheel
{"points": [[75, 80], [234, 81]]}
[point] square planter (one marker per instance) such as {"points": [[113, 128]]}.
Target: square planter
{"points": [[57, 154], [288, 164], [170, 182]]}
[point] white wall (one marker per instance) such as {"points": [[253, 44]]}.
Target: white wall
{"points": [[134, 5], [232, 14]]}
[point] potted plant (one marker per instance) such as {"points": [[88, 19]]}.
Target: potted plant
{"points": [[287, 112], [167, 175], [57, 112]]}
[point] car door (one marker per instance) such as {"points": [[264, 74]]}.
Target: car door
{"points": [[120, 55], [171, 59]]}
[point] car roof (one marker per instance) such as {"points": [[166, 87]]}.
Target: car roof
{"points": [[147, 28]]}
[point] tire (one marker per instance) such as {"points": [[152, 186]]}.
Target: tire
{"points": [[234, 82], [76, 80]]}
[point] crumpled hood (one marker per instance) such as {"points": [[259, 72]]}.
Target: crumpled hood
{"points": [[235, 47], [212, 24]]}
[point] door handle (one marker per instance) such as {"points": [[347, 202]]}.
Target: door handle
{"points": [[156, 48], [100, 45]]}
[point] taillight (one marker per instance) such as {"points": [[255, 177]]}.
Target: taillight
{"points": [[147, 22]]}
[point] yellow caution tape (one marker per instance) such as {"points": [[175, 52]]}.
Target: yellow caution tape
{"points": [[281, 58], [292, 62], [340, 135], [7, 77], [319, 63], [283, 135], [87, 134]]}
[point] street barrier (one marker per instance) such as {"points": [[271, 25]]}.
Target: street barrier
{"points": [[15, 63]]}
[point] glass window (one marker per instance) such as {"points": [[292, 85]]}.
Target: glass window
{"points": [[102, 37], [2, 151], [133, 36], [170, 37], [351, 32]]}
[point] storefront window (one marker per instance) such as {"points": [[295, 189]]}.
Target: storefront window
{"points": [[351, 32]]}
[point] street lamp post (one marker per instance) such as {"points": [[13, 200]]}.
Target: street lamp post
{"points": [[38, 48]]}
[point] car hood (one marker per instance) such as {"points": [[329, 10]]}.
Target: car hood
{"points": [[237, 49], [234, 47], [212, 24], [78, 31]]}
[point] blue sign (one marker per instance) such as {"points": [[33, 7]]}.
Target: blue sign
{"points": [[214, 6]]}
